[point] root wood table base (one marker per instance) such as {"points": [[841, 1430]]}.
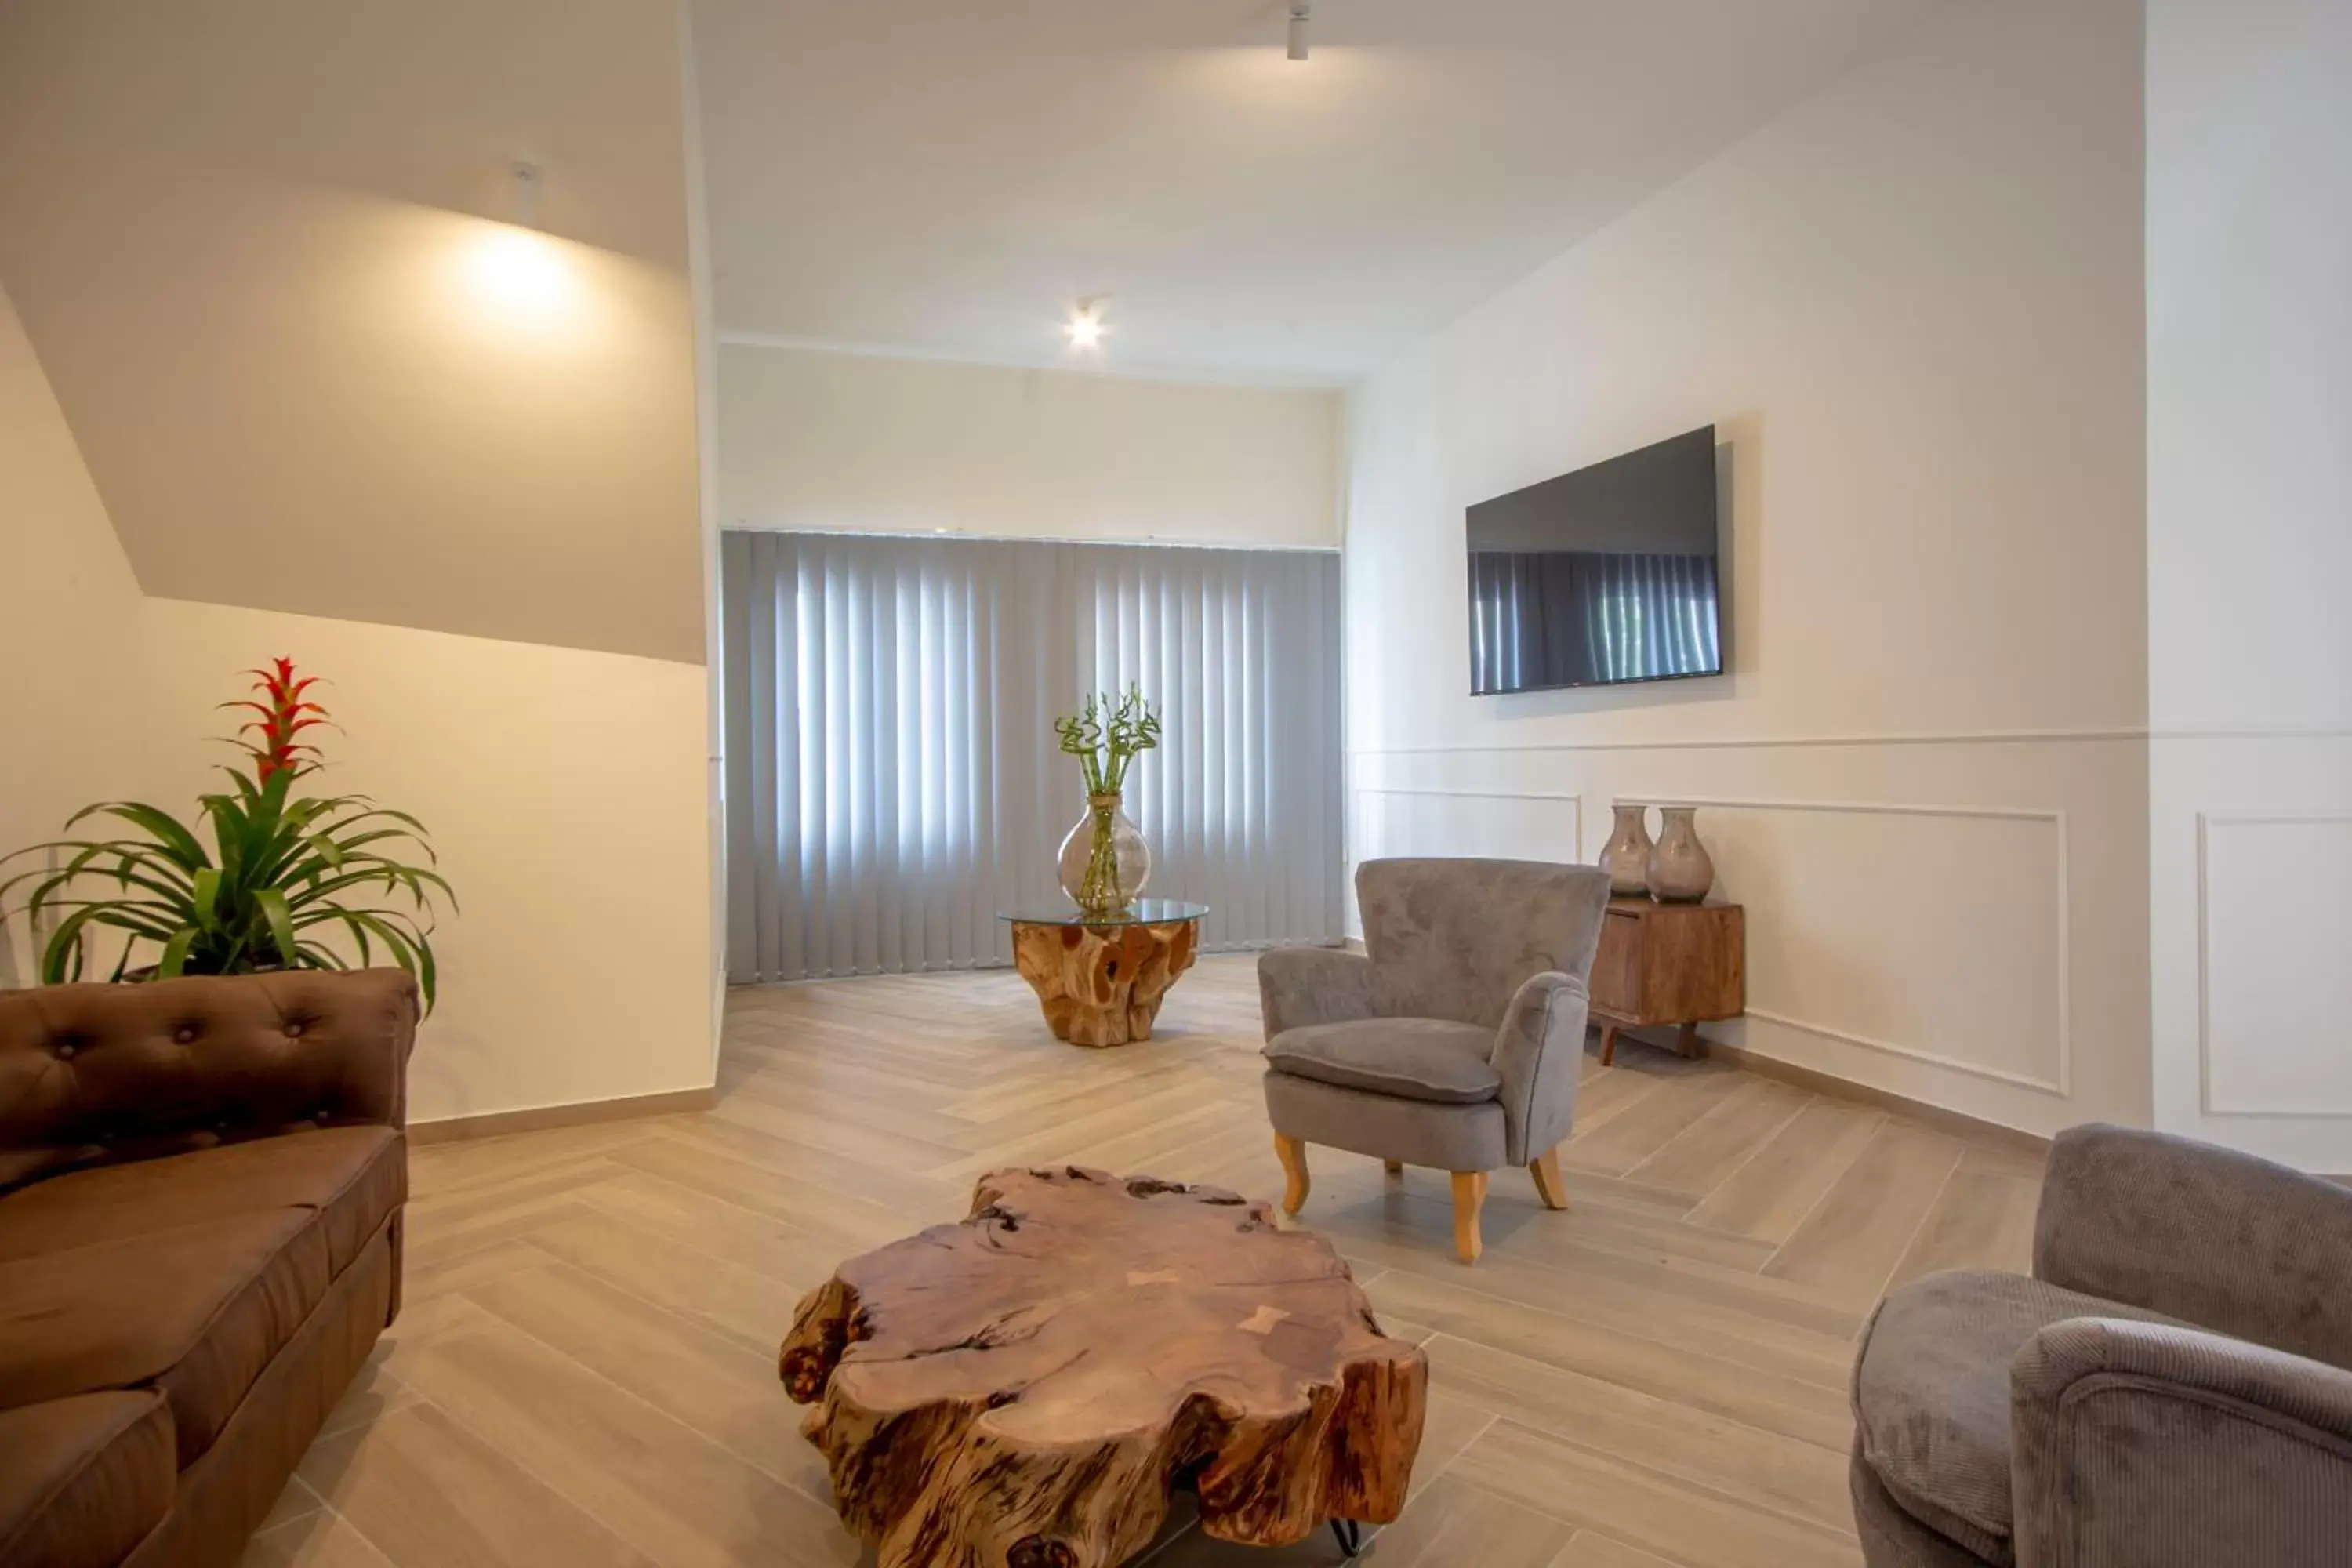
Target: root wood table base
{"points": [[1025, 1389], [1100, 979]]}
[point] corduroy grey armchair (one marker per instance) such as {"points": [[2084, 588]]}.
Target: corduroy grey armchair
{"points": [[1455, 1041], [2168, 1391]]}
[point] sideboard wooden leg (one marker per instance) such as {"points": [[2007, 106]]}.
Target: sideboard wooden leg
{"points": [[1686, 1043], [1608, 1045], [1292, 1152], [1393, 1167]]}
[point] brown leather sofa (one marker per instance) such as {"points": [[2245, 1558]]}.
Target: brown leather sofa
{"points": [[201, 1184]]}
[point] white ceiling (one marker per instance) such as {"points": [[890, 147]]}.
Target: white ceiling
{"points": [[945, 177]]}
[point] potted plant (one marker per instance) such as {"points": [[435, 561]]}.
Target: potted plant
{"points": [[290, 881], [1104, 861]]}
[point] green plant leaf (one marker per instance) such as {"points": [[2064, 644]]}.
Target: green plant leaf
{"points": [[282, 922], [175, 953]]}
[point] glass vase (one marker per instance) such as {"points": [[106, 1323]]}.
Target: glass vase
{"points": [[1105, 861]]}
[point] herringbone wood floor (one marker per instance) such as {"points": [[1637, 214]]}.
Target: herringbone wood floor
{"points": [[585, 1371]]}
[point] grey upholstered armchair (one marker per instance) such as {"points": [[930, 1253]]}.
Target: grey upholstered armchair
{"points": [[1455, 1043], [2168, 1391]]}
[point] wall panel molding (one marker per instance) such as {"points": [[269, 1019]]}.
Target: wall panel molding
{"points": [[2209, 1101], [1571, 797], [2060, 1086]]}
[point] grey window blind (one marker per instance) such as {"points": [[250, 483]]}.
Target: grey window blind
{"points": [[892, 777]]}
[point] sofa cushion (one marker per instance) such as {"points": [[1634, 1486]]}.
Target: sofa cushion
{"points": [[195, 1310], [1433, 1059], [354, 1175], [82, 1480], [1931, 1394]]}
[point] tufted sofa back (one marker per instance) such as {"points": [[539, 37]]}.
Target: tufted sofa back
{"points": [[96, 1074]]}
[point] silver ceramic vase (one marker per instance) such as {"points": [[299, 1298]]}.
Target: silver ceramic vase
{"points": [[1626, 855], [1681, 871]]}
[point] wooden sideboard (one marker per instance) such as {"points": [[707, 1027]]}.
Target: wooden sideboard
{"points": [[1668, 963]]}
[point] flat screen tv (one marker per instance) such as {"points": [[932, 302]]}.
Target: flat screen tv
{"points": [[1600, 577]]}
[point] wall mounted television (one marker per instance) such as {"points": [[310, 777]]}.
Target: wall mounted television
{"points": [[1600, 577]]}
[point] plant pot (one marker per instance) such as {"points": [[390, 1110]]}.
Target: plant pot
{"points": [[1680, 871], [1626, 855], [1104, 861]]}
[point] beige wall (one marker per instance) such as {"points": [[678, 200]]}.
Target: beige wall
{"points": [[565, 789], [69, 708], [264, 250], [1913, 309], [2249, 554], [815, 440]]}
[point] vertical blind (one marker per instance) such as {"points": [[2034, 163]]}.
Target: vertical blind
{"points": [[892, 775]]}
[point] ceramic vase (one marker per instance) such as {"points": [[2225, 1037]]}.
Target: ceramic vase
{"points": [[1626, 855], [1680, 869], [1105, 861]]}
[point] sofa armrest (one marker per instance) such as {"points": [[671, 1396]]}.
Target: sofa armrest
{"points": [[2155, 1444], [1539, 1056], [97, 1074], [2210, 1235], [1303, 986]]}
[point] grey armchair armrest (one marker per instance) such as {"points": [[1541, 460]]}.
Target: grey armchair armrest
{"points": [[1303, 986], [2164, 1447], [2220, 1239], [1539, 1056]]}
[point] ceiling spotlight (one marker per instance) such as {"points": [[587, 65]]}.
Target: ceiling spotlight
{"points": [[524, 180], [1086, 328], [1300, 15]]}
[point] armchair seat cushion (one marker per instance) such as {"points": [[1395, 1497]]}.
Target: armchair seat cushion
{"points": [[1431, 1060], [1931, 1395]]}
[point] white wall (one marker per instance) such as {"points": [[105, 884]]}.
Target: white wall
{"points": [[816, 440], [1913, 309], [2250, 552], [564, 789]]}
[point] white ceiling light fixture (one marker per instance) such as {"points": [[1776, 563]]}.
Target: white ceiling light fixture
{"points": [[1300, 15], [1086, 326], [524, 179]]}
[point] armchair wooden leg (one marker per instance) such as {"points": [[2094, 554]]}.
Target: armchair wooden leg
{"points": [[1292, 1152], [1393, 1167], [1469, 1198], [1545, 1167]]}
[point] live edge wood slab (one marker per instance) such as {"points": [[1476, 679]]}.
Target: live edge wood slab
{"points": [[1026, 1389]]}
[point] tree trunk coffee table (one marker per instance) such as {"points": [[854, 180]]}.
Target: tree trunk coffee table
{"points": [[1100, 976], [1026, 1388]]}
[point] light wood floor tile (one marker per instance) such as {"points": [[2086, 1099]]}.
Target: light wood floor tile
{"points": [[430, 1494], [1632, 1505], [323, 1539], [1696, 1160], [1770, 1194], [1865, 1222], [1589, 1549], [1762, 1469], [662, 1487], [583, 1368]]}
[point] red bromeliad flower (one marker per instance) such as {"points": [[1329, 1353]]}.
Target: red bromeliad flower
{"points": [[285, 714]]}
